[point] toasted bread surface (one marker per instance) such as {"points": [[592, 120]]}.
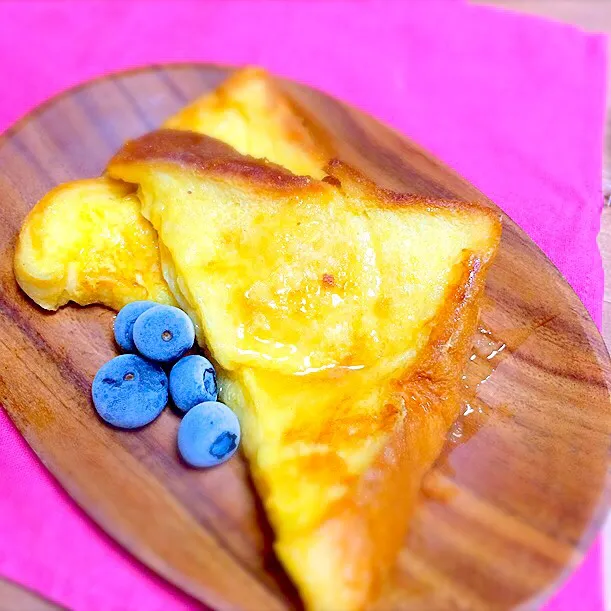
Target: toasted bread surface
{"points": [[252, 112], [249, 111], [341, 315], [87, 242]]}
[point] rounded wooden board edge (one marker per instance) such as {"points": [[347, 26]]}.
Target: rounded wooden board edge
{"points": [[588, 326]]}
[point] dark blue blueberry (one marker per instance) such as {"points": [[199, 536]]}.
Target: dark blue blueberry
{"points": [[192, 381], [129, 391], [124, 323], [163, 333], [208, 435]]}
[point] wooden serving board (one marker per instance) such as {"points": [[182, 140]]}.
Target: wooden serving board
{"points": [[507, 511]]}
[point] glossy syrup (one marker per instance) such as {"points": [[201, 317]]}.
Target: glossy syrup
{"points": [[489, 350]]}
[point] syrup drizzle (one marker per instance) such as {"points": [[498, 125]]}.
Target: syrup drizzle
{"points": [[489, 350]]}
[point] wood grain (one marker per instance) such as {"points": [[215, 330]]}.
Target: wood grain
{"points": [[592, 16], [510, 506]]}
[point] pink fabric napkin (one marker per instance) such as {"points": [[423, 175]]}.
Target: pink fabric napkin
{"points": [[513, 103]]}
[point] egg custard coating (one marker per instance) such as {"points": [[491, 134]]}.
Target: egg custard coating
{"points": [[341, 317], [86, 242]]}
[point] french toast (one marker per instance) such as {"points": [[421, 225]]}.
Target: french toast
{"points": [[58, 262], [251, 112], [86, 241], [341, 317]]}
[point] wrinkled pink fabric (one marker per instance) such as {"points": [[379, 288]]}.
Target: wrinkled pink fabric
{"points": [[513, 103]]}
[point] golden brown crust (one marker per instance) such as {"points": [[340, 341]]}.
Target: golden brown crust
{"points": [[365, 527], [213, 158], [296, 125], [354, 183], [208, 156], [370, 524]]}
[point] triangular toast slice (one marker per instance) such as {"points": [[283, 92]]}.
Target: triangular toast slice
{"points": [[80, 240], [255, 115], [341, 315], [86, 241]]}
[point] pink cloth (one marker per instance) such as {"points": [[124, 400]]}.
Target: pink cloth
{"points": [[513, 103]]}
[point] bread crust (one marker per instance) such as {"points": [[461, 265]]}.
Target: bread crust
{"points": [[210, 157], [293, 124], [215, 159], [364, 530]]}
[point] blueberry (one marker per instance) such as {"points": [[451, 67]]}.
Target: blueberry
{"points": [[124, 323], [129, 391], [208, 435], [192, 381], [163, 333]]}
